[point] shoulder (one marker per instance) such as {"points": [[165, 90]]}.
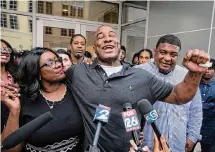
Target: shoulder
{"points": [[142, 73], [145, 65]]}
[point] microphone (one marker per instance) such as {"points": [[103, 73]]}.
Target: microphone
{"points": [[25, 131], [131, 122], [101, 117], [150, 115]]}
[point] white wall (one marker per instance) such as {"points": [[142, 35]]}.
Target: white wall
{"points": [[182, 18]]}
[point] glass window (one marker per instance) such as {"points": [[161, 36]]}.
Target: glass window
{"points": [[40, 7], [13, 22], [99, 11], [48, 7], [80, 9], [131, 14], [30, 25], [72, 11], [13, 5], [71, 32], [48, 30], [110, 17], [56, 40], [63, 32], [30, 5], [3, 4], [19, 37], [65, 9], [3, 20]]}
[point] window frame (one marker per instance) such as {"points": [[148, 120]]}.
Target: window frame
{"points": [[63, 32], [65, 13], [40, 9], [2, 4], [13, 25], [49, 5], [30, 6], [4, 20], [49, 29], [30, 24], [14, 4]]}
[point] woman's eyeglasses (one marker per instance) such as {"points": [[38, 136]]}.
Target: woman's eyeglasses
{"points": [[5, 50], [52, 63]]}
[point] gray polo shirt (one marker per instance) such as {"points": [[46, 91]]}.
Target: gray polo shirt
{"points": [[91, 86]]}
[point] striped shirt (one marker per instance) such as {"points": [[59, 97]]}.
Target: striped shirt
{"points": [[176, 122]]}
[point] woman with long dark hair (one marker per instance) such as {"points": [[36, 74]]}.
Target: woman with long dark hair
{"points": [[10, 108], [40, 76]]}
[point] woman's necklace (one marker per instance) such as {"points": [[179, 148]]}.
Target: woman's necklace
{"points": [[51, 103]]}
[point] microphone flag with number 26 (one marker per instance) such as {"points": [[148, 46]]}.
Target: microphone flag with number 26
{"points": [[131, 120]]}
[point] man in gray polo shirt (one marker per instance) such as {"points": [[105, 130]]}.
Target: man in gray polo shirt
{"points": [[111, 83]]}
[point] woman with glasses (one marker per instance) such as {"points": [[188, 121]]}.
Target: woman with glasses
{"points": [[10, 108], [41, 77]]}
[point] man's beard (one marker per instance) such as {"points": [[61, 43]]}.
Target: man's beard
{"points": [[78, 56]]}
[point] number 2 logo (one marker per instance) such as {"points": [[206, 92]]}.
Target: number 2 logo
{"points": [[103, 114]]}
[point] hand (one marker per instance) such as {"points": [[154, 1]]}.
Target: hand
{"points": [[134, 148], [163, 144], [9, 96], [189, 145], [195, 57]]}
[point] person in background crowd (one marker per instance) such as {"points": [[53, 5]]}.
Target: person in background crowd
{"points": [[40, 77], [109, 82], [122, 55], [65, 58], [207, 88], [135, 60], [78, 48], [9, 110], [187, 116], [20, 55], [144, 56]]}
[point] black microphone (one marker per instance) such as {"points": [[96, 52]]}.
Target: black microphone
{"points": [[25, 131], [101, 117], [135, 133], [150, 115]]}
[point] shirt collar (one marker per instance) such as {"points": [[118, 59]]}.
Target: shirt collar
{"points": [[211, 82], [125, 69]]}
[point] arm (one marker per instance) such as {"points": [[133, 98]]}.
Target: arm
{"points": [[194, 121], [185, 91], [11, 100], [69, 74]]}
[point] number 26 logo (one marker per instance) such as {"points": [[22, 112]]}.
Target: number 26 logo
{"points": [[131, 122]]}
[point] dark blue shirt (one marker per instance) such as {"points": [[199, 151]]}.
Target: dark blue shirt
{"points": [[208, 104]]}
